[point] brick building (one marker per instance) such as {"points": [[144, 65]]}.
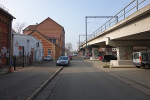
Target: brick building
{"points": [[5, 40], [52, 36]]}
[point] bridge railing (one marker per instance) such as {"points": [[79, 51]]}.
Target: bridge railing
{"points": [[116, 18]]}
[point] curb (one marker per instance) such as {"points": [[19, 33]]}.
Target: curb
{"points": [[38, 90]]}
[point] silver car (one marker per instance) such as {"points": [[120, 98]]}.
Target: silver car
{"points": [[48, 58], [63, 60]]}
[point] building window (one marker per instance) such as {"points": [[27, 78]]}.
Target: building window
{"points": [[43, 52], [53, 40], [49, 51]]}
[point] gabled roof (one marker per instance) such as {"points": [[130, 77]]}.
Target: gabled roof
{"points": [[50, 19], [27, 36], [13, 31], [42, 36], [6, 12], [30, 28]]}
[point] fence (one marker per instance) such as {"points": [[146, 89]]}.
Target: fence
{"points": [[21, 61]]}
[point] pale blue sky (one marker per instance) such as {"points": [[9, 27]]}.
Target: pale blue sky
{"points": [[68, 13]]}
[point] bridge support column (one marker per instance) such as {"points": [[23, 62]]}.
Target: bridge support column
{"points": [[86, 51], [81, 53], [108, 51], [124, 57], [95, 52], [124, 53]]}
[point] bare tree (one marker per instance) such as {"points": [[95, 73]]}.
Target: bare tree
{"points": [[68, 48], [18, 27]]}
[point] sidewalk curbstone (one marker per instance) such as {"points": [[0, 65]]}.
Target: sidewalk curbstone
{"points": [[38, 90]]}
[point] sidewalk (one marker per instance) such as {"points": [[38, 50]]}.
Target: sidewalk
{"points": [[137, 77], [20, 84]]}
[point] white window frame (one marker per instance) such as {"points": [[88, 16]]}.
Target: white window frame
{"points": [[49, 51]]}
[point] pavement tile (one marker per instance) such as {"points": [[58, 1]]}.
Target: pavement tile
{"points": [[139, 76], [19, 84]]}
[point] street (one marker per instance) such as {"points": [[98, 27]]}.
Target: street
{"points": [[83, 81]]}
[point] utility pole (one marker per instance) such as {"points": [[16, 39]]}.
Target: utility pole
{"points": [[79, 39]]}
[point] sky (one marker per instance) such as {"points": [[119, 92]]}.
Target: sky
{"points": [[68, 13]]}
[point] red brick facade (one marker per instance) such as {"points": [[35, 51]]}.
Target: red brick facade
{"points": [[5, 34], [48, 45], [51, 31]]}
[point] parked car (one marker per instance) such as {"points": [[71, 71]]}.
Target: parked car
{"points": [[108, 58], [63, 60], [70, 57], [141, 59], [48, 58], [86, 57], [74, 54]]}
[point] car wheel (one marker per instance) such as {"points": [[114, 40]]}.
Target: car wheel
{"points": [[146, 66], [56, 64]]}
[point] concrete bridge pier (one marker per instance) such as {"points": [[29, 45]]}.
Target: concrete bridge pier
{"points": [[124, 57], [95, 52], [124, 52], [109, 51], [82, 53], [87, 51]]}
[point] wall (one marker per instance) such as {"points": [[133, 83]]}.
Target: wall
{"points": [[52, 29], [5, 22], [28, 42]]}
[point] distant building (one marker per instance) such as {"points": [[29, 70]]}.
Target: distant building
{"points": [[5, 40], [52, 36], [49, 47], [32, 47]]}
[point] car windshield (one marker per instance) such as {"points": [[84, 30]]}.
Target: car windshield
{"points": [[63, 58]]}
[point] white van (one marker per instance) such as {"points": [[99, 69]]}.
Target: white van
{"points": [[141, 59]]}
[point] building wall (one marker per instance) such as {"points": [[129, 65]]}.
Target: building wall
{"points": [[29, 43], [51, 29], [5, 31], [46, 45]]}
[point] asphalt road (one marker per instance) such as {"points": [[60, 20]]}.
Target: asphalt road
{"points": [[82, 81]]}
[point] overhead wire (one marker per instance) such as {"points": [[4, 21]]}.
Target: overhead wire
{"points": [[106, 12], [99, 14]]}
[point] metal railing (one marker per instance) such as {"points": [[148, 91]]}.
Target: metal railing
{"points": [[115, 19]]}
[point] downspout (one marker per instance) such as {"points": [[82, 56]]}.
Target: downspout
{"points": [[10, 46]]}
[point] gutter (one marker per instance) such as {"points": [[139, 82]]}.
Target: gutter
{"points": [[10, 59]]}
